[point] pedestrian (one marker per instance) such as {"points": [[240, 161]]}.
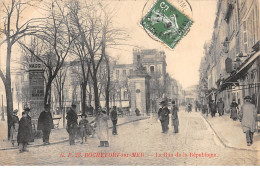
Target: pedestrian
{"points": [[213, 108], [45, 124], [83, 126], [163, 115], [249, 114], [72, 123], [189, 107], [175, 120], [234, 110], [113, 116], [14, 127], [137, 112], [102, 127], [24, 133], [220, 106], [27, 111]]}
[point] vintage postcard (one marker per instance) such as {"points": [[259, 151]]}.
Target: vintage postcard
{"points": [[129, 83]]}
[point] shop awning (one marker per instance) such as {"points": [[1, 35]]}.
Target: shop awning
{"points": [[244, 67]]}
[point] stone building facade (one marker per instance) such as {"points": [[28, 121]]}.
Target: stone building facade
{"points": [[230, 65]]}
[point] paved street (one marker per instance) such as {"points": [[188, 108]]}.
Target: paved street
{"points": [[143, 137]]}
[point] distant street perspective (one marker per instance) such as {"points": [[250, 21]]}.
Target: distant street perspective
{"points": [[195, 139], [84, 83]]}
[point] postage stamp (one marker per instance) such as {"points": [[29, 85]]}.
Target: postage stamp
{"points": [[166, 23]]}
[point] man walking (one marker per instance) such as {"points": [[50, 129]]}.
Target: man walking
{"points": [[24, 133], [213, 108], [163, 115], [113, 116], [248, 115], [220, 106], [27, 112], [175, 120], [45, 123], [72, 123]]}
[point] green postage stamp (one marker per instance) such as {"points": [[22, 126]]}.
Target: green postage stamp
{"points": [[166, 23]]}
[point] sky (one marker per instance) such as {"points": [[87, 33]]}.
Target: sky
{"points": [[182, 62]]}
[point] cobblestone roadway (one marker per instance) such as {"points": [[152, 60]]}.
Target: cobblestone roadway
{"points": [[144, 137]]}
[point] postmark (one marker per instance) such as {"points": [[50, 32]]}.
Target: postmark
{"points": [[166, 23]]}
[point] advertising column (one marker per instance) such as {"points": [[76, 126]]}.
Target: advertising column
{"points": [[36, 82]]}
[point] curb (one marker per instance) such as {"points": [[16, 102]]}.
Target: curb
{"points": [[223, 143], [65, 140]]}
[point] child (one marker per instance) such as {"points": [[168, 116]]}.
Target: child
{"points": [[24, 133], [83, 128]]}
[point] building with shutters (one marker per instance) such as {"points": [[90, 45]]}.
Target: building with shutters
{"points": [[230, 66]]}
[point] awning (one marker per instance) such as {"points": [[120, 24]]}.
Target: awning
{"points": [[240, 72]]}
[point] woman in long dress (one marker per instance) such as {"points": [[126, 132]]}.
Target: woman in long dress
{"points": [[234, 109], [102, 128]]}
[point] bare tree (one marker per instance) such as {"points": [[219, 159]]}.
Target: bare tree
{"points": [[59, 82], [13, 29], [93, 22], [54, 40]]}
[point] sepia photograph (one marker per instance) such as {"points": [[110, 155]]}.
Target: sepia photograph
{"points": [[130, 83]]}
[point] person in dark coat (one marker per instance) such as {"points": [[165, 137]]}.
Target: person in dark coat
{"points": [[27, 111], [14, 127], [213, 108], [24, 133], [45, 123], [83, 126], [175, 119], [220, 106], [113, 116], [72, 123], [163, 115], [234, 109]]}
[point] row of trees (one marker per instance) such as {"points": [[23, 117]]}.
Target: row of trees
{"points": [[65, 30]]}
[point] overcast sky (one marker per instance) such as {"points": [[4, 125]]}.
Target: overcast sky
{"points": [[182, 62]]}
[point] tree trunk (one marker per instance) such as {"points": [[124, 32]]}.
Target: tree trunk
{"points": [[8, 90], [47, 92], [90, 95], [108, 86], [84, 95], [95, 86]]}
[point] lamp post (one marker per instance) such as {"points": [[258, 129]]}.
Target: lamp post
{"points": [[2, 113]]}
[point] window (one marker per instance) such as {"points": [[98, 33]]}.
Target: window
{"points": [[125, 95], [117, 74], [245, 36], [124, 73], [131, 71], [152, 69], [138, 58]]}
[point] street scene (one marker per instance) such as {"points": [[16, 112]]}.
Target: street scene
{"points": [[92, 83]]}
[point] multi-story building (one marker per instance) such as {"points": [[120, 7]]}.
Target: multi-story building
{"points": [[231, 63], [161, 84]]}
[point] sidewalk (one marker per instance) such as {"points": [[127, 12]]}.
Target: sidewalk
{"points": [[58, 135], [230, 132]]}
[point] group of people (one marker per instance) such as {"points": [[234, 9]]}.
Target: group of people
{"points": [[163, 116], [247, 115], [22, 133], [83, 127], [21, 130]]}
